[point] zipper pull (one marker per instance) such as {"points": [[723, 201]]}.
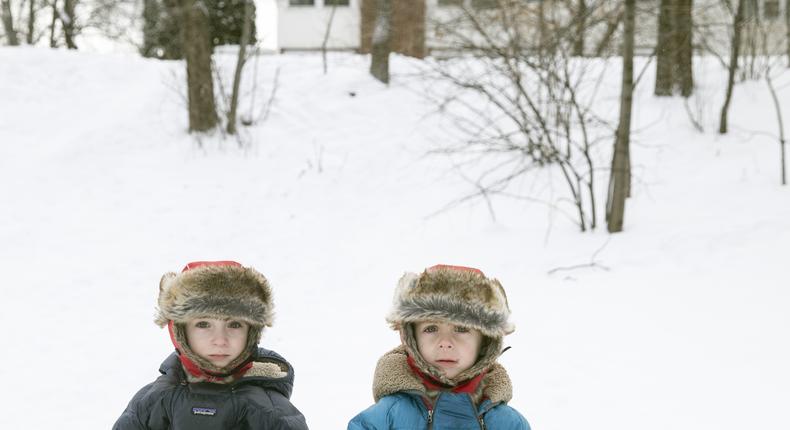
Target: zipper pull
{"points": [[430, 416], [482, 423]]}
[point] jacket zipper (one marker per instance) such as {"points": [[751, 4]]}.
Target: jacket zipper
{"points": [[482, 423], [429, 407]]}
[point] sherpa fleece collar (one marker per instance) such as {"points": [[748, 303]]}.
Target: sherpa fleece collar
{"points": [[393, 374], [269, 369]]}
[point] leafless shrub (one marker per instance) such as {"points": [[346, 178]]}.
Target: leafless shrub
{"points": [[519, 106]]}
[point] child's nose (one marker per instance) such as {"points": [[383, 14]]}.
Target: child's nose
{"points": [[445, 343], [220, 338]]}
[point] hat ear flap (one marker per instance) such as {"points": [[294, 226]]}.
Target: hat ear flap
{"points": [[406, 283], [166, 299], [166, 282]]}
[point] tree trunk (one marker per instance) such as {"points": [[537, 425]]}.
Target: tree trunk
{"points": [[735, 52], [31, 22], [53, 42], [68, 19], [542, 34], [326, 35], [8, 23], [245, 39], [618, 182], [780, 123], [787, 29], [380, 54], [581, 27], [665, 49], [682, 26], [197, 50]]}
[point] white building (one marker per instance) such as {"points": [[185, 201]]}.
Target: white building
{"points": [[303, 24]]}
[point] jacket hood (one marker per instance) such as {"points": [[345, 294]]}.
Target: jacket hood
{"points": [[269, 370], [393, 374]]}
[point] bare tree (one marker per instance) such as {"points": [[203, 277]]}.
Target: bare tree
{"points": [[30, 37], [196, 40], [735, 53], [380, 55], [780, 124], [674, 50], [53, 41], [620, 172], [8, 23], [68, 18], [683, 29], [664, 50], [581, 28], [787, 29], [327, 33], [240, 60]]}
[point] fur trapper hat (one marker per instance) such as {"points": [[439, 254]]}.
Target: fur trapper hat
{"points": [[456, 294], [221, 290], [215, 289]]}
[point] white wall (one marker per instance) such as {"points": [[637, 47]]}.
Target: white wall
{"points": [[266, 23], [303, 27]]}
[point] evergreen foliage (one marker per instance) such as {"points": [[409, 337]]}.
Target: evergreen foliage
{"points": [[161, 26]]}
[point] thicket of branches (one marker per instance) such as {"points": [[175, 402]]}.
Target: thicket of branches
{"points": [[521, 100]]}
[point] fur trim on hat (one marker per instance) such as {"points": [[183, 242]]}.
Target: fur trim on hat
{"points": [[458, 295], [218, 290]]}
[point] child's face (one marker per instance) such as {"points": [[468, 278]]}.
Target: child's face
{"points": [[218, 341], [451, 348]]}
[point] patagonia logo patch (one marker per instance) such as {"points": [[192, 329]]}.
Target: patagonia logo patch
{"points": [[209, 412]]}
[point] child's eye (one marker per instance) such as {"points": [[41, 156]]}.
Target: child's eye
{"points": [[202, 324], [234, 324], [461, 329], [430, 329]]}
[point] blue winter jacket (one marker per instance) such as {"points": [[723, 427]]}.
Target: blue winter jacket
{"points": [[403, 402]]}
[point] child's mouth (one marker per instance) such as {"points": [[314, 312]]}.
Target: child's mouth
{"points": [[218, 356]]}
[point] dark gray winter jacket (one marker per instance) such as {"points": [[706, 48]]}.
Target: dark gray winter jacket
{"points": [[250, 403]]}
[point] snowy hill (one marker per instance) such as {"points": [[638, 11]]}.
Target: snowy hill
{"points": [[682, 323]]}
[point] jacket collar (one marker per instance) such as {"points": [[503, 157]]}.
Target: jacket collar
{"points": [[394, 374], [267, 369], [470, 386]]}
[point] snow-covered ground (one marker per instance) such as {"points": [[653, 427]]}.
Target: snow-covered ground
{"points": [[682, 324]]}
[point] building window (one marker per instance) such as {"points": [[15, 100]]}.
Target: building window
{"points": [[335, 2], [771, 9], [301, 2]]}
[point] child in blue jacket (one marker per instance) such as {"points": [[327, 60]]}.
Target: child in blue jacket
{"points": [[444, 375]]}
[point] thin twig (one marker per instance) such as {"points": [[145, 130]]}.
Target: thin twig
{"points": [[591, 264]]}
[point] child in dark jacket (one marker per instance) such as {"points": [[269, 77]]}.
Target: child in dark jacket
{"points": [[444, 375], [217, 378]]}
